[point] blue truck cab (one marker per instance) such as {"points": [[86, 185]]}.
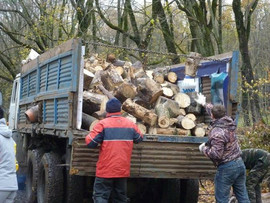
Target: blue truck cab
{"points": [[59, 166]]}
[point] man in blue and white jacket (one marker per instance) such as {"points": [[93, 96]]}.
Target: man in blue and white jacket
{"points": [[8, 178]]}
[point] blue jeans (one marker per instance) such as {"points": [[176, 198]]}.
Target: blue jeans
{"points": [[231, 174]]}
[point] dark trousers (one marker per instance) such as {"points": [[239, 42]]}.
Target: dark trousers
{"points": [[104, 187], [254, 179]]}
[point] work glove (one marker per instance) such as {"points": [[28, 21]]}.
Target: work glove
{"points": [[201, 147], [201, 99]]}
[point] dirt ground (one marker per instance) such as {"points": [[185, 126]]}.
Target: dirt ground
{"points": [[206, 192]]}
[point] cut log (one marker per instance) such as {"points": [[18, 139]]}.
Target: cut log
{"points": [[103, 103], [171, 105], [191, 116], [140, 112], [194, 107], [142, 102], [97, 79], [93, 97], [111, 58], [98, 68], [119, 70], [182, 99], [106, 65], [93, 124], [105, 92], [88, 77], [191, 64], [119, 63], [149, 73], [182, 112], [111, 79], [101, 114], [199, 130], [125, 91], [185, 122], [148, 89], [92, 102], [168, 131], [172, 86], [167, 92], [158, 77], [173, 121], [89, 66], [137, 70], [142, 128], [130, 117], [87, 120], [171, 77], [163, 116]]}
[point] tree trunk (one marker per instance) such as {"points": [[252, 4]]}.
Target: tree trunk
{"points": [[243, 29]]}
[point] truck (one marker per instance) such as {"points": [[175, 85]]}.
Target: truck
{"points": [[58, 165]]}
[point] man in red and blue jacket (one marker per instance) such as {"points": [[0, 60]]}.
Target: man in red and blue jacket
{"points": [[116, 136]]}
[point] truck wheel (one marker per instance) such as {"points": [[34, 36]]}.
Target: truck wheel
{"points": [[74, 188], [189, 191], [33, 161], [50, 180]]}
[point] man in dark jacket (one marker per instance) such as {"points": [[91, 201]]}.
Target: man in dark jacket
{"points": [[223, 149], [116, 136], [8, 178], [257, 161]]}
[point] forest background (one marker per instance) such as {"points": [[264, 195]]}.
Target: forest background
{"points": [[208, 27]]}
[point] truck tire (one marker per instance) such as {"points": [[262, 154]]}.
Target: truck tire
{"points": [[33, 161], [50, 180], [74, 188], [189, 191]]}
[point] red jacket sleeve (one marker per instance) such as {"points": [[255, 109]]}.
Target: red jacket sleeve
{"points": [[95, 136]]}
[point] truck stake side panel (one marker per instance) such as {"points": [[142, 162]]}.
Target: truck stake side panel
{"points": [[157, 157]]}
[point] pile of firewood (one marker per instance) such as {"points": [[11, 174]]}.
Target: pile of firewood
{"points": [[151, 99]]}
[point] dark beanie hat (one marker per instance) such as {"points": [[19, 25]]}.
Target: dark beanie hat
{"points": [[113, 105]]}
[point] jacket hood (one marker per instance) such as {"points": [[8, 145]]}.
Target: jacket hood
{"points": [[224, 122], [4, 130]]}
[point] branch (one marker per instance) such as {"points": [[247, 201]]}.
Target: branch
{"points": [[6, 78], [112, 26], [9, 33]]}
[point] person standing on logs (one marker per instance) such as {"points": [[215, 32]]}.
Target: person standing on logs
{"points": [[224, 150], [116, 136]]}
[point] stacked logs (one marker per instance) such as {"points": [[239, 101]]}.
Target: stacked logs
{"points": [[151, 99]]}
